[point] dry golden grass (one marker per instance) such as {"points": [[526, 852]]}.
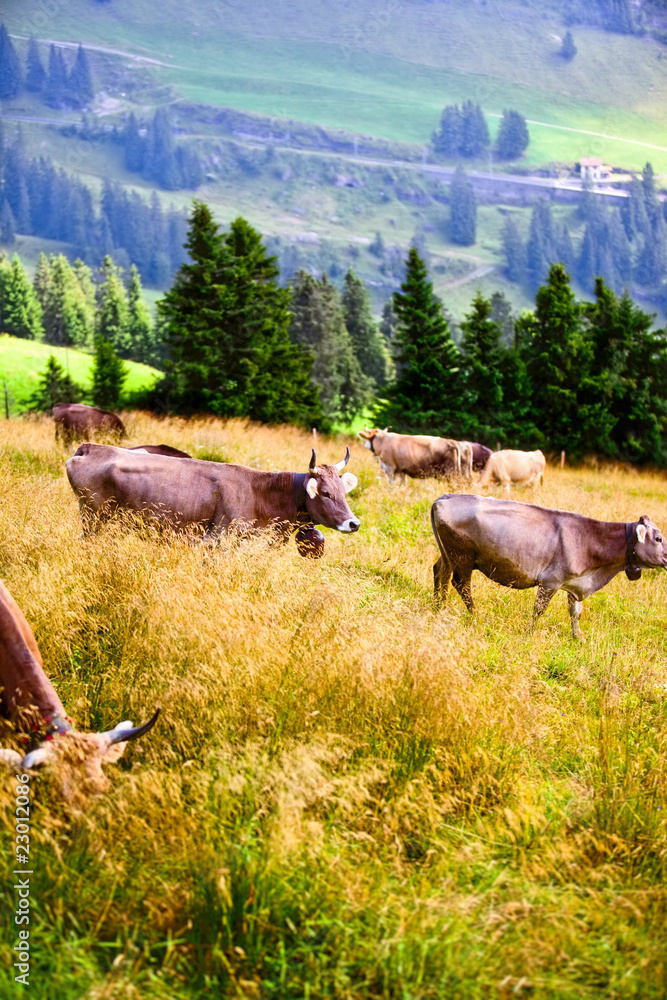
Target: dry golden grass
{"points": [[347, 794]]}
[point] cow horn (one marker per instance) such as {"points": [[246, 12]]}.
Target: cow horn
{"points": [[313, 463], [387, 428], [341, 465], [121, 735]]}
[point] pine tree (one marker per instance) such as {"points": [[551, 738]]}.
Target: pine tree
{"points": [[15, 186], [512, 136], [80, 90], [160, 162], [112, 322], [318, 324], [568, 49], [463, 210], [367, 340], [474, 130], [142, 339], [55, 386], [11, 77], [225, 323], [20, 311], [447, 139], [56, 82], [426, 395], [515, 251], [483, 357], [7, 224], [69, 313], [109, 375], [134, 145], [35, 77]]}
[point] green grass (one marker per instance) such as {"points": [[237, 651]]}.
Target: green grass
{"points": [[23, 361], [347, 794]]}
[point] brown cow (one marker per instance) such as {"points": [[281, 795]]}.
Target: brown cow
{"points": [[480, 455], [508, 466], [416, 455], [29, 700], [76, 421], [212, 495], [522, 545]]}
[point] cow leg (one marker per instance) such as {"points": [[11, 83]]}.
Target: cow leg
{"points": [[461, 581], [541, 604], [575, 607], [442, 574]]}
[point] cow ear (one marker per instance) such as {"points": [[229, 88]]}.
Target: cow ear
{"points": [[311, 488], [641, 533], [349, 481]]}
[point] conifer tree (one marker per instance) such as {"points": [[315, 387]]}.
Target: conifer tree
{"points": [[474, 130], [55, 386], [133, 144], [318, 324], [463, 210], [484, 355], [11, 77], [20, 311], [109, 375], [7, 224], [512, 136], [35, 77], [80, 90], [367, 340], [160, 162], [69, 313], [515, 252], [112, 321], [568, 49], [426, 395], [226, 327], [142, 340], [56, 81], [447, 139]]}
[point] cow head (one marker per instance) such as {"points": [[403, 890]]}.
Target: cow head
{"points": [[646, 548], [326, 486], [78, 757], [373, 438]]}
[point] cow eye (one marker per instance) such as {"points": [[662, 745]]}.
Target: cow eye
{"points": [[325, 494], [658, 538]]}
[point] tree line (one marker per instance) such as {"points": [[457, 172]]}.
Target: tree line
{"points": [[463, 132], [36, 199], [586, 377], [625, 245], [58, 85]]}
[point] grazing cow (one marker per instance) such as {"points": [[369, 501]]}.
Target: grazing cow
{"points": [[212, 495], [480, 455], [416, 455], [29, 699], [522, 545], [76, 421], [507, 467], [160, 449]]}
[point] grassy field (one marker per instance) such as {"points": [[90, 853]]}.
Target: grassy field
{"points": [[22, 362], [347, 794]]}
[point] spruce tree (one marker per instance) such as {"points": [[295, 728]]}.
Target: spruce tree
{"points": [[109, 375], [568, 49], [318, 325], [69, 313], [133, 144], [11, 77], [80, 90], [20, 311], [55, 91], [367, 340], [226, 327], [514, 250], [160, 162], [512, 136], [463, 210], [35, 77], [112, 322], [483, 354], [474, 130], [426, 395], [447, 139], [7, 224], [142, 339], [55, 386]]}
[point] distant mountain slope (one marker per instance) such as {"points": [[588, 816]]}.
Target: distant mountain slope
{"points": [[387, 67]]}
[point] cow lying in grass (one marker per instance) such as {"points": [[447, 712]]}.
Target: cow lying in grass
{"points": [[522, 545], [30, 702]]}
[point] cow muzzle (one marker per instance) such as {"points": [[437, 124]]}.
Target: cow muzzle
{"points": [[350, 525]]}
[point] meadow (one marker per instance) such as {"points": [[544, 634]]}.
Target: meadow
{"points": [[348, 794]]}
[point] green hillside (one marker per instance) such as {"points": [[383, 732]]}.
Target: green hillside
{"points": [[23, 361]]}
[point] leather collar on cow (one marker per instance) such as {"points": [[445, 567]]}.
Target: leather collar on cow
{"points": [[370, 442], [632, 570], [300, 498], [53, 725]]}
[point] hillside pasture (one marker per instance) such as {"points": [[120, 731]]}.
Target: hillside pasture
{"points": [[347, 794]]}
